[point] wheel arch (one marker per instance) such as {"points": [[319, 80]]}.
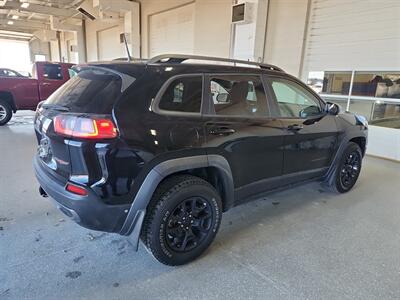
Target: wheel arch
{"points": [[213, 168], [359, 139], [9, 98]]}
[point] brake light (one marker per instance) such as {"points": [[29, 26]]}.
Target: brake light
{"points": [[84, 127], [76, 189]]}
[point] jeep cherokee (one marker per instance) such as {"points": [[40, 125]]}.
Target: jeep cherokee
{"points": [[158, 150]]}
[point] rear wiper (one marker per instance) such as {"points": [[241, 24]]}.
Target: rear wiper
{"points": [[55, 107]]}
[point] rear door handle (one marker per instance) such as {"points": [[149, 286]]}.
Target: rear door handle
{"points": [[222, 131], [295, 127]]}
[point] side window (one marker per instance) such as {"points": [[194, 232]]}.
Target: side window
{"points": [[238, 95], [52, 71], [12, 74], [183, 95], [293, 100]]}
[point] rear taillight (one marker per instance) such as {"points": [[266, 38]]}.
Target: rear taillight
{"points": [[84, 127], [76, 189]]}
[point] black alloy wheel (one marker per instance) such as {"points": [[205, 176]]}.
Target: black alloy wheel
{"points": [[350, 169], [182, 219], [189, 224]]}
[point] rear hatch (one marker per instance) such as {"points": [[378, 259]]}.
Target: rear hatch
{"points": [[69, 123]]}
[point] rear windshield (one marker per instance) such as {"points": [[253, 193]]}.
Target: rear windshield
{"points": [[92, 90]]}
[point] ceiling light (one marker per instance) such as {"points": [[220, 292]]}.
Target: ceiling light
{"points": [[25, 5], [15, 17], [10, 22]]}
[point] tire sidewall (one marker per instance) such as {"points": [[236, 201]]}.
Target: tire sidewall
{"points": [[352, 147], [8, 112], [158, 239]]}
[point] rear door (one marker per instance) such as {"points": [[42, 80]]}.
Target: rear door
{"points": [[310, 134], [239, 128]]}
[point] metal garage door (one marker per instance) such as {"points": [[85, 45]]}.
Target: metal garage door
{"points": [[172, 31], [346, 35], [108, 44]]}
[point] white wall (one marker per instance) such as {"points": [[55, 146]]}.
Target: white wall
{"points": [[212, 31], [211, 24], [37, 47], [384, 142], [285, 31], [54, 50], [353, 35], [92, 27]]}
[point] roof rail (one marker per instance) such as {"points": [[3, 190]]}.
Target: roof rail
{"points": [[179, 58]]}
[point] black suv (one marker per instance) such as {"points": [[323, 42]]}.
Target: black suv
{"points": [[158, 150]]}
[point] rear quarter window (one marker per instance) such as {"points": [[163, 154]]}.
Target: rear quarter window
{"points": [[183, 94]]}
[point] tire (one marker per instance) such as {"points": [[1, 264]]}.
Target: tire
{"points": [[348, 169], [182, 219], [5, 112]]}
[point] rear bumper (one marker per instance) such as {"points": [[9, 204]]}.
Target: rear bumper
{"points": [[88, 211]]}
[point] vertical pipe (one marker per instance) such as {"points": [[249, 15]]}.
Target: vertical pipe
{"points": [[350, 90], [59, 45], [305, 41]]}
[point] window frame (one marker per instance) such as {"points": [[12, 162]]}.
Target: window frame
{"points": [[156, 100], [210, 109], [269, 80]]}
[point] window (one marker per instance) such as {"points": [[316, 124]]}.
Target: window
{"points": [[374, 94], [376, 84], [40, 57], [293, 100], [183, 95], [238, 95], [92, 90], [53, 71], [8, 73]]}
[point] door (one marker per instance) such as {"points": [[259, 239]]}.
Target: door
{"points": [[51, 79], [310, 134], [109, 45], [238, 127], [172, 31]]}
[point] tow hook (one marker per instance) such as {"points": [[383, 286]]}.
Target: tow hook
{"points": [[42, 192]]}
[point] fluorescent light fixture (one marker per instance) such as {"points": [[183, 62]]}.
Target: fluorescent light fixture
{"points": [[10, 22], [15, 17], [25, 5]]}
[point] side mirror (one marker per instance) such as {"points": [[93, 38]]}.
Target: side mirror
{"points": [[332, 108], [222, 98]]}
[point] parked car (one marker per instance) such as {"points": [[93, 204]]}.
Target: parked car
{"points": [[4, 72], [23, 93], [158, 150]]}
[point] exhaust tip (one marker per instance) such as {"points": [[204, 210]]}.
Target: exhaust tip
{"points": [[42, 192]]}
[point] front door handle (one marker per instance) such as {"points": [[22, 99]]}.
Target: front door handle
{"points": [[222, 131], [295, 127]]}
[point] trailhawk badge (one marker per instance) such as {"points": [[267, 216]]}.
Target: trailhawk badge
{"points": [[43, 149]]}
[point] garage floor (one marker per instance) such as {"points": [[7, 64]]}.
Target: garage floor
{"points": [[302, 243]]}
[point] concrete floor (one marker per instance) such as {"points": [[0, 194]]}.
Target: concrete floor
{"points": [[302, 243]]}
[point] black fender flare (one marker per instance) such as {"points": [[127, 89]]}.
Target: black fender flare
{"points": [[133, 222], [328, 178]]}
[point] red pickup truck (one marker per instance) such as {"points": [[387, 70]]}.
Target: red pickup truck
{"points": [[19, 93]]}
